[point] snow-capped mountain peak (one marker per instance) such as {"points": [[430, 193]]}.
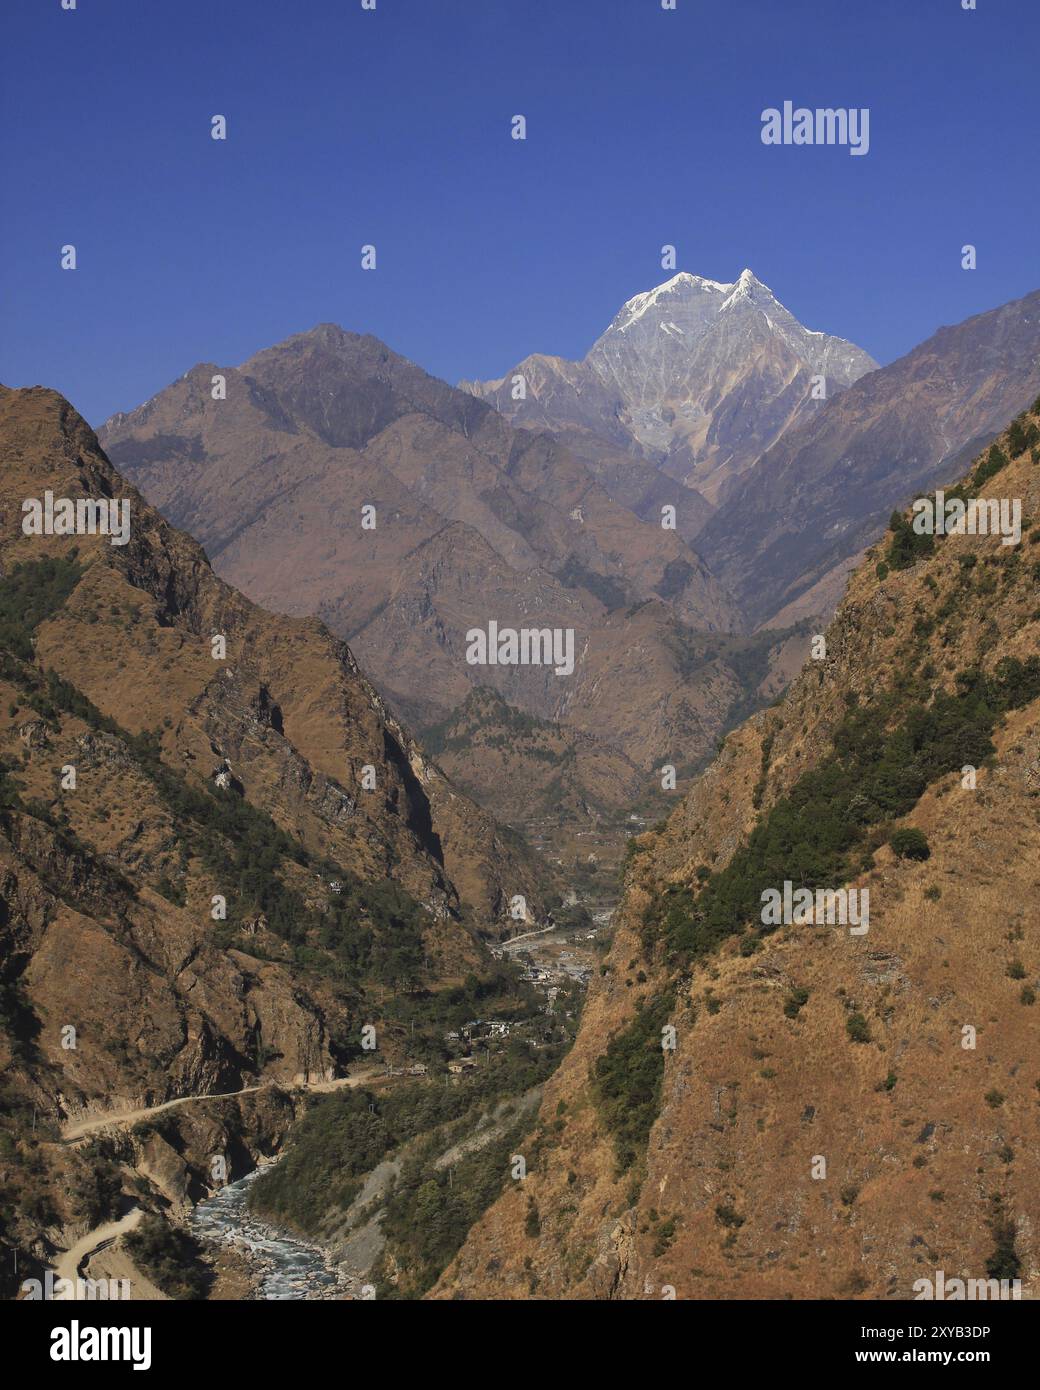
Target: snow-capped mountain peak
{"points": [[699, 375]]}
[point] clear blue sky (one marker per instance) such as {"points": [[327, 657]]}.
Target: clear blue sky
{"points": [[392, 127]]}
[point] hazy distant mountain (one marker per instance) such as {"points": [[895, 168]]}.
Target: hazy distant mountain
{"points": [[328, 421], [695, 376], [475, 521], [786, 538]]}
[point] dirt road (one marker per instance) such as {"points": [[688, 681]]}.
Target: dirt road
{"points": [[68, 1265], [79, 1129]]}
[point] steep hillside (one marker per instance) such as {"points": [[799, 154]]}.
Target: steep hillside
{"points": [[217, 863], [787, 536], [646, 691], [843, 1113]]}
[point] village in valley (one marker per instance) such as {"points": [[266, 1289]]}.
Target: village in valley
{"points": [[556, 962]]}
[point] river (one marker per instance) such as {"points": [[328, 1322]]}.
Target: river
{"points": [[283, 1266]]}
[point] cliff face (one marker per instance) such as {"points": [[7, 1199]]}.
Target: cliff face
{"points": [[219, 855], [842, 1114]]}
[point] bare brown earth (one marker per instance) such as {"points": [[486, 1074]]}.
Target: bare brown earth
{"points": [[919, 1134]]}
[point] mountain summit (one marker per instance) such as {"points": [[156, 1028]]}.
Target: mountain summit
{"points": [[694, 375]]}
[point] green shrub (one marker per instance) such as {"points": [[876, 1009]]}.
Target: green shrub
{"points": [[431, 1210], [626, 1080], [1004, 1262], [1022, 436], [169, 1257], [663, 1237], [906, 546], [817, 834], [760, 786], [857, 1028], [795, 1002], [532, 1223], [909, 843], [992, 464], [726, 1215], [34, 591]]}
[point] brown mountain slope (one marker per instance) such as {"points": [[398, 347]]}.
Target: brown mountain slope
{"points": [[142, 781], [521, 763], [302, 683], [817, 498], [328, 420], [805, 1046]]}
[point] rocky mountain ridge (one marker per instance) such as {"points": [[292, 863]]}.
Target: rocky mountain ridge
{"points": [[472, 521], [785, 540]]}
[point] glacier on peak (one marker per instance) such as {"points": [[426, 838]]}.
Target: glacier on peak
{"points": [[715, 292]]}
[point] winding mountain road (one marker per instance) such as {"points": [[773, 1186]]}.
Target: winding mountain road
{"points": [[74, 1130], [67, 1266]]}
